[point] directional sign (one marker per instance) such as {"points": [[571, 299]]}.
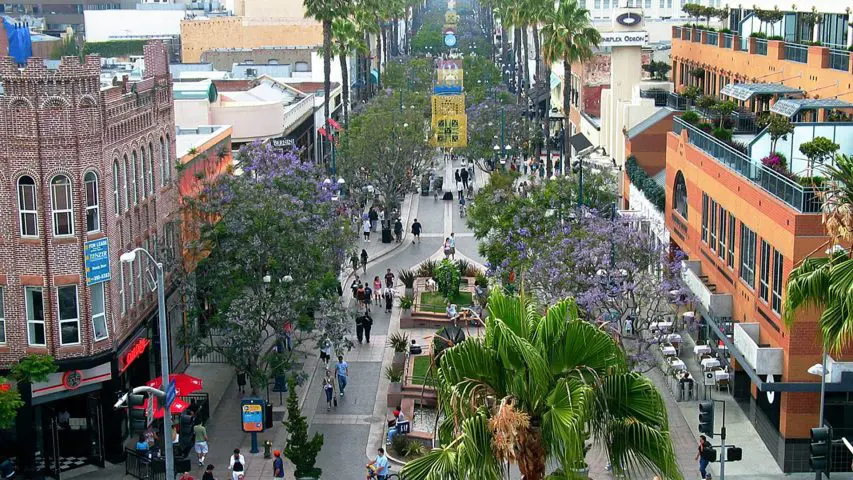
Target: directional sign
{"points": [[96, 254], [171, 391], [252, 414]]}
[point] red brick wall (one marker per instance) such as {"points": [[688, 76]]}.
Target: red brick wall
{"points": [[60, 122], [649, 147]]}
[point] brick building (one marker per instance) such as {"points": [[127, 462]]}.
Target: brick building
{"points": [[85, 174]]}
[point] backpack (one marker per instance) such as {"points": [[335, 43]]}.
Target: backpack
{"points": [[708, 453], [238, 466]]}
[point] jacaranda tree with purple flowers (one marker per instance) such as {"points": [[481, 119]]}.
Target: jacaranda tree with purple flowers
{"points": [[271, 241]]}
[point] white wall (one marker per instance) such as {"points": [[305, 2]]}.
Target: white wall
{"points": [[192, 113], [104, 25], [250, 121]]}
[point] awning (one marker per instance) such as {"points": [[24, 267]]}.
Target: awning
{"points": [[579, 142], [789, 107], [374, 75], [745, 91], [555, 80]]}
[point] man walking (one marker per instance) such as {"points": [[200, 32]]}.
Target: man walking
{"points": [[277, 465], [342, 368], [389, 278], [398, 230], [702, 455], [464, 175], [416, 231], [201, 448], [381, 464], [373, 216], [367, 323], [365, 228]]}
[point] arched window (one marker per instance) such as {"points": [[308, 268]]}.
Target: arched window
{"points": [[116, 198], [143, 184], [124, 186], [168, 159], [151, 167], [163, 161], [93, 206], [28, 207], [61, 203], [134, 172], [679, 195]]}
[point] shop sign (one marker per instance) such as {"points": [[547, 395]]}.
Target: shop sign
{"points": [[450, 40], [5, 387], [96, 254], [71, 380], [284, 143], [629, 19], [134, 351], [623, 39]]}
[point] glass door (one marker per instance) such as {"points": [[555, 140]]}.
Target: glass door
{"points": [[95, 421]]}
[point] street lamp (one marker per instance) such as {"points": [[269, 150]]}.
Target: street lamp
{"points": [[820, 369], [130, 257]]}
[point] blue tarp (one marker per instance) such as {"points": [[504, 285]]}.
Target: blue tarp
{"points": [[20, 44]]}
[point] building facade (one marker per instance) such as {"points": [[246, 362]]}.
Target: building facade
{"points": [[87, 174]]}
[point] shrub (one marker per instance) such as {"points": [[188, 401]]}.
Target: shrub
{"points": [[725, 30], [394, 374], [815, 181], [415, 449], [706, 101], [706, 127], [407, 277], [739, 146], [114, 48], [399, 341], [462, 265], [428, 269], [654, 192], [399, 444], [758, 35], [776, 37], [481, 280], [406, 302], [723, 134], [690, 117], [448, 278]]}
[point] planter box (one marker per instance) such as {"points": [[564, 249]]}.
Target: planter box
{"points": [[399, 360], [395, 394]]}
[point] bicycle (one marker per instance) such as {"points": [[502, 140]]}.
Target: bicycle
{"points": [[371, 474]]}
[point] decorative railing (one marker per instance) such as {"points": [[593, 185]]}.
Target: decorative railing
{"points": [[839, 59], [796, 53], [660, 96], [727, 40], [713, 39], [802, 199], [760, 46], [676, 101]]}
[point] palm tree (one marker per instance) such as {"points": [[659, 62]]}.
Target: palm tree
{"points": [[559, 381], [326, 11], [827, 282], [347, 39]]}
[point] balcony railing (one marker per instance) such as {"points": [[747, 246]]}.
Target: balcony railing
{"points": [[760, 46], [659, 95], [688, 34], [796, 53], [697, 36], [727, 40], [676, 32], [744, 44], [676, 101], [802, 199], [839, 60], [713, 39]]}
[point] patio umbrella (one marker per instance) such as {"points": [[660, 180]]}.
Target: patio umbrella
{"points": [[178, 406], [184, 384]]}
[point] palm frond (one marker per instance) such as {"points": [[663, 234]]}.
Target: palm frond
{"points": [[808, 285], [438, 464], [564, 420], [635, 447]]}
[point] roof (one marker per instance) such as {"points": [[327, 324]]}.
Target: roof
{"points": [[176, 68], [267, 90], [791, 106], [189, 138], [651, 120], [203, 90], [745, 91], [579, 142]]}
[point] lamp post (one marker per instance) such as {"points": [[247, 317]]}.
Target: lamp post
{"points": [[820, 369], [130, 257]]}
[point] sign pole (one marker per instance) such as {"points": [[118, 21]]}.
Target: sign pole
{"points": [[254, 448]]}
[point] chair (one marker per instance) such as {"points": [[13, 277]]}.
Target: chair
{"points": [[724, 383]]}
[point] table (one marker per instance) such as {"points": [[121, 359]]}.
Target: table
{"points": [[660, 325], [701, 350], [673, 338], [677, 364], [667, 349], [709, 363], [721, 375]]}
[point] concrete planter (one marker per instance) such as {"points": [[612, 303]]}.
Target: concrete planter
{"points": [[580, 472], [395, 394], [399, 360], [410, 292]]}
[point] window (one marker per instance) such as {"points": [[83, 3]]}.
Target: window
{"points": [[731, 259], [60, 193], [712, 225], [139, 275], [116, 199], [35, 315], [606, 4], [164, 161], [2, 318], [126, 197], [597, 4], [143, 185], [747, 255], [121, 288], [130, 297], [668, 3], [648, 3], [99, 312], [705, 217], [776, 296], [151, 168], [723, 221], [764, 272], [679, 197], [69, 321], [168, 159], [662, 3], [134, 172], [93, 208], [27, 206]]}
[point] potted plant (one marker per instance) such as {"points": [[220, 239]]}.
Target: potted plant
{"points": [[406, 304], [395, 387], [299, 449], [399, 341], [408, 279]]}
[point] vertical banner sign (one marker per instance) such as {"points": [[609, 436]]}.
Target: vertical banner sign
{"points": [[96, 254], [252, 414]]}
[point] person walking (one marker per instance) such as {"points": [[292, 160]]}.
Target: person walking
{"points": [[365, 227], [464, 175], [367, 324], [373, 216], [201, 448], [389, 299], [702, 455], [208, 473], [329, 390], [389, 278], [326, 351], [377, 289], [381, 217], [446, 248], [368, 298], [277, 465], [342, 369], [452, 246], [381, 464], [398, 230], [237, 465], [416, 231], [356, 284], [456, 176], [354, 261], [241, 381], [364, 260], [359, 328], [459, 189]]}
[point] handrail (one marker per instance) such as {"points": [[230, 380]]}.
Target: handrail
{"points": [[796, 52], [839, 59], [760, 46], [727, 40]]}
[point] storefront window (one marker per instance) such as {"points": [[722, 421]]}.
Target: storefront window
{"points": [[35, 316], [69, 320]]}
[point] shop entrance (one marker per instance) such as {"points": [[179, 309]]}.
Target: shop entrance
{"points": [[72, 434]]}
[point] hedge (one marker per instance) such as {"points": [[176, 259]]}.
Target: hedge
{"points": [[653, 192], [114, 48]]}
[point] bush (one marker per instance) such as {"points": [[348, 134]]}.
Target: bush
{"points": [[463, 266], [407, 277], [406, 302], [723, 134], [115, 48], [725, 30], [481, 280], [690, 117], [399, 341], [758, 35], [399, 444], [776, 37], [706, 127], [394, 374], [428, 269], [415, 449], [739, 146], [654, 192], [448, 278], [815, 181]]}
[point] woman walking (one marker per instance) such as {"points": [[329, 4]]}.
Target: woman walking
{"points": [[377, 288], [329, 390], [446, 248], [364, 259]]}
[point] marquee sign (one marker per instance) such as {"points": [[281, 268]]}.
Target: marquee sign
{"points": [[624, 39], [132, 353]]}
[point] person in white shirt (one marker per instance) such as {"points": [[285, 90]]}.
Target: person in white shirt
{"points": [[237, 465], [366, 229]]}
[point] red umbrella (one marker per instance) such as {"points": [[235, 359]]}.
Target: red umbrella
{"points": [[184, 384], [178, 406]]}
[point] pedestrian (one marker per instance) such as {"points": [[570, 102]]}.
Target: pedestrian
{"points": [[368, 301], [241, 381], [237, 465], [373, 216], [452, 245], [359, 328], [702, 455], [416, 231], [366, 229], [201, 449], [288, 335], [277, 465], [354, 261], [446, 248], [208, 473], [151, 436], [356, 284], [367, 323], [389, 299], [389, 278], [377, 288], [459, 189], [471, 171], [464, 175], [326, 351], [398, 230], [457, 176], [329, 390], [364, 260], [381, 464], [381, 217], [342, 369]]}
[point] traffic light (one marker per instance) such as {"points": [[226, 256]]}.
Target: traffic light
{"points": [[576, 167], [819, 449], [136, 415], [706, 418], [734, 454]]}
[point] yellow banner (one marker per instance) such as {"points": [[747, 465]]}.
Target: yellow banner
{"points": [[450, 78], [443, 105], [450, 131], [451, 17]]}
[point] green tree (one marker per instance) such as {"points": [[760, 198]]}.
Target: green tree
{"points": [[576, 386], [658, 70], [724, 109], [818, 150], [693, 10], [778, 127], [448, 278], [29, 369], [299, 449], [10, 402], [325, 12], [347, 39]]}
